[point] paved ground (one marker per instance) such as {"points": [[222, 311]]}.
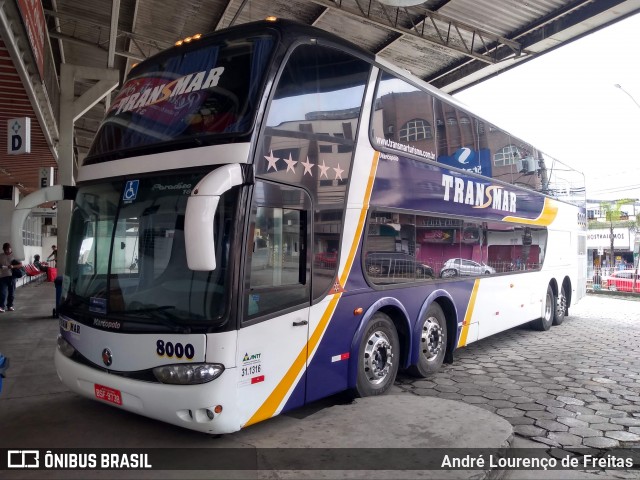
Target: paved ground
{"points": [[575, 385], [38, 412]]}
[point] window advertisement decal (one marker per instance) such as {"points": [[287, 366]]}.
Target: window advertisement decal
{"points": [[446, 191], [186, 94], [465, 158]]}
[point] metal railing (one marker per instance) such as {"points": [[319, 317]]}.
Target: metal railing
{"points": [[622, 278]]}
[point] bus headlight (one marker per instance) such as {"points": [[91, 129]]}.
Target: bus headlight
{"points": [[183, 374], [65, 347]]}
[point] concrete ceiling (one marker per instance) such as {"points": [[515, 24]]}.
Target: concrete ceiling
{"points": [[451, 44]]}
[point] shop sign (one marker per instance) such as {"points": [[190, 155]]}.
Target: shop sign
{"points": [[602, 239]]}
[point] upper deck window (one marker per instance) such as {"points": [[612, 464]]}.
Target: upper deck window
{"points": [[186, 98], [402, 117]]}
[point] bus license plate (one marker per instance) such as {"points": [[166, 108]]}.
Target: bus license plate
{"points": [[108, 394]]}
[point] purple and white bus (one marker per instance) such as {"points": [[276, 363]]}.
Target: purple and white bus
{"points": [[269, 215]]}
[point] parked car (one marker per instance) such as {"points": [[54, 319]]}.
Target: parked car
{"points": [[461, 267], [326, 259], [622, 281], [396, 264]]}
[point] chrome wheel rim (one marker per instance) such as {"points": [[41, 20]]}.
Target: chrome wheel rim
{"points": [[548, 308], [432, 339], [378, 358], [561, 305]]}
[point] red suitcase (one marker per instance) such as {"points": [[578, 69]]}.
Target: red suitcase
{"points": [[52, 273]]}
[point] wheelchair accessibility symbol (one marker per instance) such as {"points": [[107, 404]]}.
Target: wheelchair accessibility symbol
{"points": [[130, 190]]}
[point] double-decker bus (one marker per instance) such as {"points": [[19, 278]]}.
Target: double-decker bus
{"points": [[269, 215]]}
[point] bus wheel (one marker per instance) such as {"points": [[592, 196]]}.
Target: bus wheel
{"points": [[544, 323], [561, 307], [378, 357], [433, 343]]}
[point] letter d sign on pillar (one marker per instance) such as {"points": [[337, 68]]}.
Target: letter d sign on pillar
{"points": [[19, 136]]}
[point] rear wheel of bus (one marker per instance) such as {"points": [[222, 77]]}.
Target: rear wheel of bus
{"points": [[378, 356], [544, 322], [561, 307], [433, 343]]}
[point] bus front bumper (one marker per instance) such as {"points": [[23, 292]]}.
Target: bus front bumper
{"points": [[188, 406]]}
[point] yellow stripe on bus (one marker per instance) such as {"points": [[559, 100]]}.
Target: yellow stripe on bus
{"points": [[271, 404], [361, 220], [269, 407], [467, 316], [546, 217]]}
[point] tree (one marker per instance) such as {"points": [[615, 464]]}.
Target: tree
{"points": [[613, 212]]}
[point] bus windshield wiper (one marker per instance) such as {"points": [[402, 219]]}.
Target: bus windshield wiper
{"points": [[166, 318]]}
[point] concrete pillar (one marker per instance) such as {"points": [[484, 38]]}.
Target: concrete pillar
{"points": [[71, 109]]}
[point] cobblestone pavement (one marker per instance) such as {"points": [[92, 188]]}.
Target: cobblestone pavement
{"points": [[576, 385]]}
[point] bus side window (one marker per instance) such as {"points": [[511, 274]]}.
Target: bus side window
{"points": [[277, 274], [310, 138]]}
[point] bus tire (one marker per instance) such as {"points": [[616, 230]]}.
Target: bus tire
{"points": [[433, 343], [561, 308], [544, 322], [378, 357]]}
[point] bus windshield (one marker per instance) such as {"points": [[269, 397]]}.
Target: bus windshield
{"points": [[186, 97], [126, 258]]}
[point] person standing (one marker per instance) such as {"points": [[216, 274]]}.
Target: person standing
{"points": [[53, 256], [7, 282]]}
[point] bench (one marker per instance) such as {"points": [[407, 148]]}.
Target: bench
{"points": [[33, 274]]}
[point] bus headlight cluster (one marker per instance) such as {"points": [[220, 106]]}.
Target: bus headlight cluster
{"points": [[183, 374], [65, 347]]}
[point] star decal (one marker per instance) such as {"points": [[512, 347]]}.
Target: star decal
{"points": [[291, 166], [272, 161], [338, 172], [291, 163], [307, 167], [323, 170]]}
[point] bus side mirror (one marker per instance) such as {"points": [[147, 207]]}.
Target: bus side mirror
{"points": [[198, 232], [201, 209]]}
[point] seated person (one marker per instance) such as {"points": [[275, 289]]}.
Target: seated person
{"points": [[38, 265]]}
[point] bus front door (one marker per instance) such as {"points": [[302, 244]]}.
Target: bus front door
{"points": [[272, 341]]}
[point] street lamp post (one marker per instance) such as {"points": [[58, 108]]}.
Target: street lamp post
{"points": [[617, 85], [635, 273]]}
